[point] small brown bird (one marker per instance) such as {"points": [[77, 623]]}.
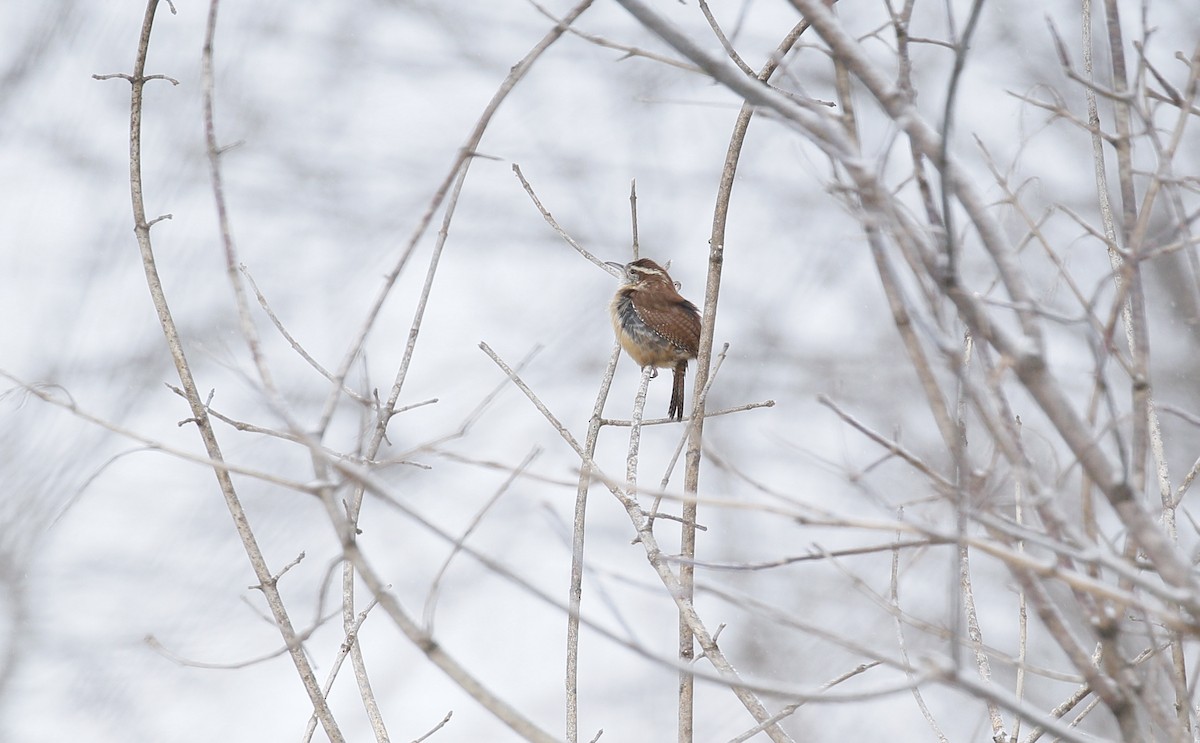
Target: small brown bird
{"points": [[655, 325]]}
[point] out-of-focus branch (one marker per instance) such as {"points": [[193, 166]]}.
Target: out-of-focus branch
{"points": [[461, 160], [1025, 350], [267, 582], [630, 51]]}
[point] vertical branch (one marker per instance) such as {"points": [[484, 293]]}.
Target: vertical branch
{"points": [[1128, 274], [660, 564], [1107, 219], [963, 596], [635, 433], [1026, 348], [900, 22], [975, 635], [712, 291], [962, 474], [1147, 434], [901, 317], [1163, 178], [960, 60], [351, 638], [1122, 144], [1022, 612], [953, 430], [1145, 413], [703, 364], [249, 332], [267, 583], [633, 217], [350, 621], [575, 593], [964, 607], [902, 646]]}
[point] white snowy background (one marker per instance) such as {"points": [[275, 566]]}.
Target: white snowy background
{"points": [[344, 118]]}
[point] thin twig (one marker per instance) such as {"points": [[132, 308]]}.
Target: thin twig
{"points": [[661, 566], [291, 340], [451, 185], [435, 728], [892, 446], [578, 525], [633, 218], [199, 413], [902, 646], [550, 220], [791, 709], [351, 638], [435, 584], [630, 51], [461, 160], [714, 414], [683, 440], [721, 37]]}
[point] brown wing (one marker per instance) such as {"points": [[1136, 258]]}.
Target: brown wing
{"points": [[692, 341], [672, 317]]}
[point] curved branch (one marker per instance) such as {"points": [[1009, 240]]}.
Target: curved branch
{"points": [[267, 582]]}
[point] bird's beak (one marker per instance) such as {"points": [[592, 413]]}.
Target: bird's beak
{"points": [[619, 266]]}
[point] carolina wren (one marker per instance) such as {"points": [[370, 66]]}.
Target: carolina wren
{"points": [[655, 325]]}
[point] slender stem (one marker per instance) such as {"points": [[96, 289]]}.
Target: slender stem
{"points": [[712, 291], [452, 185], [658, 561], [575, 593], [267, 582]]}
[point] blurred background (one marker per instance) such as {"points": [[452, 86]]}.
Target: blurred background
{"points": [[341, 120]]}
